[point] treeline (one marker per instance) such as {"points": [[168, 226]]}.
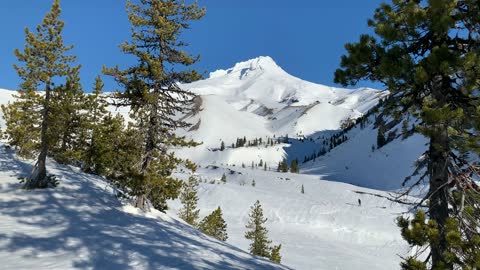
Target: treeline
{"points": [[255, 142]]}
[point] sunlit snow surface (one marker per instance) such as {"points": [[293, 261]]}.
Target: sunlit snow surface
{"points": [[82, 225]]}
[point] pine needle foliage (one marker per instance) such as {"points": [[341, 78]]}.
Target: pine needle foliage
{"points": [[151, 89], [426, 52]]}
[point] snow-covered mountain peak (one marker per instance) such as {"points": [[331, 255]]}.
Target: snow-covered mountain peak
{"points": [[241, 70]]}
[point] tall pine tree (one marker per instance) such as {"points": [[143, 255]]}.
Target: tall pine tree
{"points": [[189, 199], [427, 54], [45, 63], [257, 232], [152, 91]]}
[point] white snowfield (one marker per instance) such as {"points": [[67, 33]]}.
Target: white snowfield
{"points": [[324, 228], [82, 225]]}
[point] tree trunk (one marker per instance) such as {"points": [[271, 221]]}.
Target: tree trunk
{"points": [[38, 177], [150, 145], [438, 207]]}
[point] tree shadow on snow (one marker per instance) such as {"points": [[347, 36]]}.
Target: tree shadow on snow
{"points": [[80, 219]]}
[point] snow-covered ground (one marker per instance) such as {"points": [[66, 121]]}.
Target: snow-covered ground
{"points": [[82, 225], [323, 229]]}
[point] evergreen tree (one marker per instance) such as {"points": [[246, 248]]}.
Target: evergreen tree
{"points": [[151, 89], [381, 141], [302, 190], [265, 166], [222, 146], [405, 126], [96, 121], [284, 165], [109, 147], [67, 105], [224, 178], [214, 225], [22, 120], [189, 199], [45, 62], [294, 166], [257, 232], [275, 254], [427, 55]]}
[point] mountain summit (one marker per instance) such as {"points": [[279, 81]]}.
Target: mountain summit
{"points": [[257, 98]]}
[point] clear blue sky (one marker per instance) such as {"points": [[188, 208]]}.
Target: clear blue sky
{"points": [[305, 37]]}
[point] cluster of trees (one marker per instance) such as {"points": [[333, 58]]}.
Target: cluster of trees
{"points": [[75, 128], [427, 54], [283, 166], [315, 155], [214, 225], [329, 144], [243, 142]]}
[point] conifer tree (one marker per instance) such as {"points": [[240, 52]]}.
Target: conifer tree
{"points": [[214, 225], [284, 166], [257, 232], [109, 147], [275, 254], [405, 126], [22, 120], [67, 106], [222, 146], [96, 123], [381, 141], [189, 199], [294, 166], [302, 190], [151, 89], [224, 178], [427, 55], [45, 62]]}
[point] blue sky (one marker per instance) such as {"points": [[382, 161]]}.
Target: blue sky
{"points": [[305, 37]]}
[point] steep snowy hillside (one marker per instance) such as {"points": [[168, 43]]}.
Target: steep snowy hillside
{"points": [[82, 225], [258, 99], [354, 161]]}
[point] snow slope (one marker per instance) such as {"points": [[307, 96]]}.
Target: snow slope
{"points": [[322, 229], [82, 225]]}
